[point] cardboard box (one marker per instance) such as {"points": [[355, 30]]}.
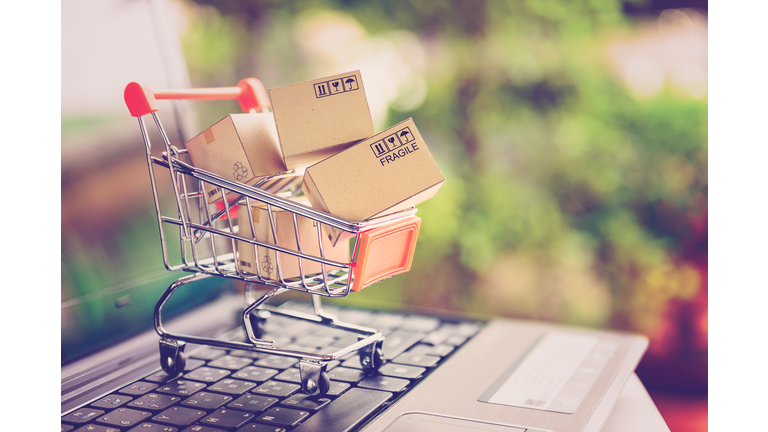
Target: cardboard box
{"points": [[240, 147], [266, 259], [388, 172], [318, 118]]}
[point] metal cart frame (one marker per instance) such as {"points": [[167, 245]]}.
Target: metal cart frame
{"points": [[208, 240]]}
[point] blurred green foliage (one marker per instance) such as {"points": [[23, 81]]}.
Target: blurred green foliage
{"points": [[566, 196]]}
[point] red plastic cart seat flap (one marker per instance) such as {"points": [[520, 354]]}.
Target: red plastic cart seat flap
{"points": [[232, 210], [385, 252]]}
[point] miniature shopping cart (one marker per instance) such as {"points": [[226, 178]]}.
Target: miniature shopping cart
{"points": [[209, 242]]}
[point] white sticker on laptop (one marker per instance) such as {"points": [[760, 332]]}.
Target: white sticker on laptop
{"points": [[554, 375]]}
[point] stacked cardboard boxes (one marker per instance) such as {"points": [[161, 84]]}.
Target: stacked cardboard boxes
{"points": [[323, 128]]}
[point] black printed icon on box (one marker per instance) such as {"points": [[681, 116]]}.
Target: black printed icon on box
{"points": [[379, 148], [336, 86], [392, 141], [405, 136], [240, 172], [322, 89], [350, 83]]}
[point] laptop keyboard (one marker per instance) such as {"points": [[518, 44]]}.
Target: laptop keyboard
{"points": [[236, 390]]}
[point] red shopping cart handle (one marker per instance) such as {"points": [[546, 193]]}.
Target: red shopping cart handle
{"points": [[249, 92]]}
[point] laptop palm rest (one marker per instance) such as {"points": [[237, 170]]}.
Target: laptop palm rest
{"points": [[420, 422], [480, 384]]}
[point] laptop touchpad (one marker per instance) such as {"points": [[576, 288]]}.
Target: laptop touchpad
{"points": [[418, 422]]}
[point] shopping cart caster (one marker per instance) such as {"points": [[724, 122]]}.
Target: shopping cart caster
{"points": [[172, 358], [258, 321], [371, 356], [314, 378]]}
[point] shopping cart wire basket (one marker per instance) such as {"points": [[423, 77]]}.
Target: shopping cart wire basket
{"points": [[209, 242]]}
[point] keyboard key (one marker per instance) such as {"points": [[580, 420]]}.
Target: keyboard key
{"points": [[258, 427], [66, 427], [276, 389], [331, 332], [207, 374], [138, 388], [456, 340], [253, 403], [346, 412], [153, 427], [314, 341], [276, 362], [284, 417], [154, 402], [227, 418], [441, 350], [416, 359], [230, 362], [206, 400], [305, 402], [346, 374], [337, 388], [382, 321], [208, 354], [355, 316], [467, 329], [123, 417], [232, 386], [82, 415], [353, 363], [291, 375], [420, 323], [247, 354], [181, 387], [399, 341], [437, 350], [385, 383], [401, 371], [179, 416], [160, 377], [437, 337], [96, 428], [201, 428], [255, 373], [111, 401]]}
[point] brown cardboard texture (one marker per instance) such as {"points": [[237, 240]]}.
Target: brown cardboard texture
{"points": [[318, 118], [239, 147], [388, 172], [286, 238]]}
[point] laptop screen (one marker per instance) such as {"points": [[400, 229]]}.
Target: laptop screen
{"points": [[112, 269]]}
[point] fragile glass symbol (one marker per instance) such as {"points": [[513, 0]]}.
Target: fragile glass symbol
{"points": [[335, 85]]}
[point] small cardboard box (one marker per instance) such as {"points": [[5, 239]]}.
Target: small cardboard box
{"points": [[388, 172], [266, 259], [239, 147], [318, 118]]}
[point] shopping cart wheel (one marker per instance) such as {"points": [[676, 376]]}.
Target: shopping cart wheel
{"points": [[258, 320], [172, 358], [371, 356], [314, 378]]}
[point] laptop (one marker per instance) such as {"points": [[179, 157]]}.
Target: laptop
{"points": [[441, 372]]}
